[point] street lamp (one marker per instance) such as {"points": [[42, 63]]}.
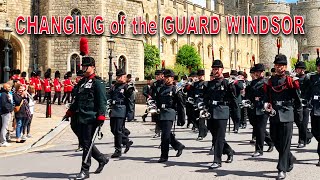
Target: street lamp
{"points": [[7, 34], [111, 44]]}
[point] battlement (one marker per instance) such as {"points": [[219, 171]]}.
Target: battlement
{"points": [[266, 8], [313, 4]]}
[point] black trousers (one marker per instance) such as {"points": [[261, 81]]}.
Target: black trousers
{"points": [[66, 96], [27, 125], [75, 126], [39, 95], [281, 134], [235, 116], [262, 134], [57, 95], [244, 116], [47, 96], [86, 135], [252, 121], [117, 129], [304, 134], [315, 129], [155, 118], [218, 130], [190, 114], [167, 137], [201, 124], [181, 114]]}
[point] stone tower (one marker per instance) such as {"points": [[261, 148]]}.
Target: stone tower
{"points": [[308, 42]]}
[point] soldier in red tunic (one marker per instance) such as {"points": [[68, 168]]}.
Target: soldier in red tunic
{"points": [[16, 74], [32, 83], [38, 84], [67, 88], [57, 88], [47, 86], [22, 79]]}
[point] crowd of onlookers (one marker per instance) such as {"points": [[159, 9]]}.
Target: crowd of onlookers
{"points": [[16, 109]]}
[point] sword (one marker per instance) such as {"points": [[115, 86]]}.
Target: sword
{"points": [[92, 143]]}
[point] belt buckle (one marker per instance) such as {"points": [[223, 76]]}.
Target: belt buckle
{"points": [[163, 106], [215, 102], [257, 98], [279, 103], [196, 95], [113, 102]]}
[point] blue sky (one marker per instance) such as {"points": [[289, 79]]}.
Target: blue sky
{"points": [[203, 2]]}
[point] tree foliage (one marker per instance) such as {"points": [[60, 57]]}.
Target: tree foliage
{"points": [[151, 56], [188, 57]]}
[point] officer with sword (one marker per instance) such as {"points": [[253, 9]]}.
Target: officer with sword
{"points": [[89, 107]]}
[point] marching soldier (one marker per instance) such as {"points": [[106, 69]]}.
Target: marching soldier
{"points": [[181, 112], [67, 88], [243, 110], [89, 108], [273, 71], [282, 97], [166, 99], [32, 83], [197, 89], [78, 78], [132, 99], [235, 112], [23, 80], [120, 95], [154, 90], [57, 88], [314, 98], [147, 94], [219, 96], [38, 82], [304, 83], [255, 94], [251, 112], [189, 106]]}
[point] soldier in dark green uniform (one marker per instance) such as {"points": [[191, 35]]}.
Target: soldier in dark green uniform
{"points": [[219, 96], [120, 95], [190, 107], [304, 83], [255, 93], [167, 103], [235, 112], [251, 112], [282, 95], [154, 90], [89, 107], [197, 90], [146, 91], [314, 97]]}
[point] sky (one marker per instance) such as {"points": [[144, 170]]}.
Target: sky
{"points": [[203, 2]]}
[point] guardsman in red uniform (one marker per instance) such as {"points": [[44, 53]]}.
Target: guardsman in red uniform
{"points": [[67, 88], [32, 83], [57, 88], [38, 84], [22, 79], [47, 86], [16, 74]]}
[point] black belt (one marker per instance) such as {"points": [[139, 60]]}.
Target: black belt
{"points": [[118, 103], [219, 103], [164, 106], [283, 103]]}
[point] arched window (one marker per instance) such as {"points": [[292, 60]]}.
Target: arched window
{"points": [[75, 63], [173, 46], [76, 13], [199, 48], [192, 44], [148, 39], [162, 2], [122, 62], [163, 45], [119, 19], [209, 50]]}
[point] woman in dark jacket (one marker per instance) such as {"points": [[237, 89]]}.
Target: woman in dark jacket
{"points": [[21, 115]]}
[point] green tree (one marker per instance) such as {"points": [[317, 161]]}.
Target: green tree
{"points": [[293, 62], [188, 56], [179, 69], [311, 65], [151, 56]]}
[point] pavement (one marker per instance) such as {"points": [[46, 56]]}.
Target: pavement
{"points": [[57, 159]]}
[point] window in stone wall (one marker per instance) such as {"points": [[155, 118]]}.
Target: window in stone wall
{"points": [[173, 46], [162, 2], [119, 19], [76, 13], [220, 54], [192, 44], [305, 57], [163, 45], [236, 3], [209, 50], [147, 18], [75, 63], [199, 48], [122, 62]]}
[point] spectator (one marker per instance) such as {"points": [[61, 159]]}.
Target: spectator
{"points": [[6, 110], [22, 111], [27, 125]]}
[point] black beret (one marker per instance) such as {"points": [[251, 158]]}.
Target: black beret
{"points": [[120, 72], [273, 70], [259, 67], [200, 72], [280, 59], [253, 69], [241, 73], [158, 72], [300, 64], [168, 73], [268, 73], [234, 72], [217, 63], [193, 74], [57, 74], [88, 61], [80, 73], [23, 74]]}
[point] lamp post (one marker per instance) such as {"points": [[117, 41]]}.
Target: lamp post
{"points": [[7, 34], [111, 43]]}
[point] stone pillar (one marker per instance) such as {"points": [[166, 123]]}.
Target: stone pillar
{"points": [[208, 4]]}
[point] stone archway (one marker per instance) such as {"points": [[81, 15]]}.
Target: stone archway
{"points": [[15, 56]]}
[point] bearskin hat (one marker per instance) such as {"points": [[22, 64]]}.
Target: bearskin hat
{"points": [[57, 74], [69, 74], [23, 74], [47, 74]]}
